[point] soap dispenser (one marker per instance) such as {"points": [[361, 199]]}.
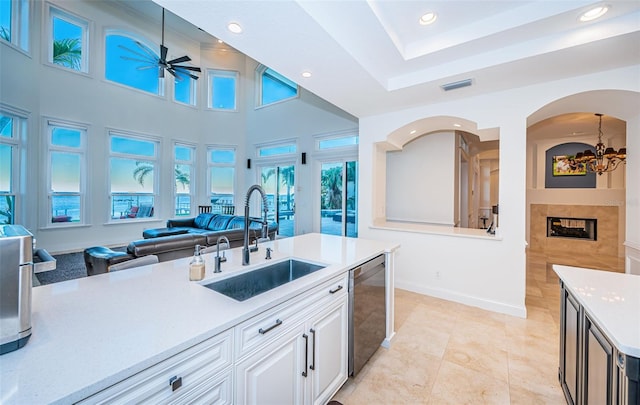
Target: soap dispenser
{"points": [[196, 267]]}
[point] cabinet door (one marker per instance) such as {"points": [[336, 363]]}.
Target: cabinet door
{"points": [[273, 375], [598, 366], [569, 347], [328, 340]]}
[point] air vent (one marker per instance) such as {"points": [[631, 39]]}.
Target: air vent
{"points": [[456, 85]]}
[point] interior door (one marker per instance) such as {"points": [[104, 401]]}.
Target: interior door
{"points": [[278, 181], [339, 198]]}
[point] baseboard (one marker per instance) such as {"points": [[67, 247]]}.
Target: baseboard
{"points": [[449, 295]]}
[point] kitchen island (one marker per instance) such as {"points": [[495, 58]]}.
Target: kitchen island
{"points": [[599, 336], [93, 333]]}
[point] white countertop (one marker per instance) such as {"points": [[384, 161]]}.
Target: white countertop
{"points": [[612, 301], [90, 333]]}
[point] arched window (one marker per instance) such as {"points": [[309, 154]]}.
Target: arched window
{"points": [[131, 62]]}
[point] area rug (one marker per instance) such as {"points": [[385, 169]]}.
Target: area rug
{"points": [[69, 266]]}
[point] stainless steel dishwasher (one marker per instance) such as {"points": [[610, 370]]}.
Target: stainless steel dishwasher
{"points": [[367, 312]]}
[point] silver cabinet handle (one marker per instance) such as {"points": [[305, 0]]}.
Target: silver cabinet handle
{"points": [[313, 350], [175, 382], [275, 325], [306, 354], [336, 290]]}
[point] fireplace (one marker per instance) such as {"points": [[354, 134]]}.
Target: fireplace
{"points": [[575, 228]]}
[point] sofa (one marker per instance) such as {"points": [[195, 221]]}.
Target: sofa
{"points": [[178, 240]]}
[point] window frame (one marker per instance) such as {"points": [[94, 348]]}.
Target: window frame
{"points": [[50, 124], [192, 177], [193, 92], [16, 142], [144, 41], [20, 26], [212, 73], [232, 165], [53, 12], [156, 159], [318, 139], [275, 145], [261, 70]]}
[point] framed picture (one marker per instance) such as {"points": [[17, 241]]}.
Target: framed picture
{"points": [[565, 165]]}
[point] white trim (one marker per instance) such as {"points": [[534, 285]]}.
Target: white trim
{"points": [[449, 295]]}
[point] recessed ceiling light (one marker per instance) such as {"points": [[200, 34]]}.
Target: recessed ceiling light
{"points": [[428, 18], [234, 27], [413, 132], [220, 41], [306, 74], [594, 13], [457, 125]]}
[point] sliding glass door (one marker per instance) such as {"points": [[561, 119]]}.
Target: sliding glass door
{"points": [[279, 184], [339, 198]]}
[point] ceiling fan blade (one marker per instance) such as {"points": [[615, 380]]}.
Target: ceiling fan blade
{"points": [[192, 68], [180, 70], [163, 52], [147, 67], [146, 55], [179, 60], [149, 61], [172, 71], [147, 50]]}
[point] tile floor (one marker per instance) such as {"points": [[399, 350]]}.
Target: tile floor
{"points": [[449, 353]]}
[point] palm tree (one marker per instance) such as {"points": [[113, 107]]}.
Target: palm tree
{"points": [[144, 169], [8, 212], [332, 188], [67, 52]]}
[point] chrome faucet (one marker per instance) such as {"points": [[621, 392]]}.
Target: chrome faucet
{"points": [[265, 208], [219, 259]]}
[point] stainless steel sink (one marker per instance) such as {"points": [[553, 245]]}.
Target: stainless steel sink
{"points": [[247, 285]]}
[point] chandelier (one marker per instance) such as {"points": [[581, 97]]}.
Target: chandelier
{"points": [[605, 159]]}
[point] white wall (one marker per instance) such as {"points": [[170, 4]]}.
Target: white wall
{"points": [[30, 84], [487, 273], [423, 180]]}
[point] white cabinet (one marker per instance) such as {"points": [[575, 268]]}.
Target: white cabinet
{"points": [[328, 351], [202, 371], [295, 353]]}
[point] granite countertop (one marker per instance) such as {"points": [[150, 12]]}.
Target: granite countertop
{"points": [[612, 301], [90, 333]]}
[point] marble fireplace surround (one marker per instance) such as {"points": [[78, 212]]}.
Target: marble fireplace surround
{"points": [[600, 254]]}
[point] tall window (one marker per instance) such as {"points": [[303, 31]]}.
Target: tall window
{"points": [[14, 23], [184, 90], [223, 87], [11, 128], [131, 62], [67, 168], [133, 184], [221, 162], [183, 169], [68, 40], [273, 87]]}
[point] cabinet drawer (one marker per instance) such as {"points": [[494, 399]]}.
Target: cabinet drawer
{"points": [[216, 390], [152, 385], [268, 326]]}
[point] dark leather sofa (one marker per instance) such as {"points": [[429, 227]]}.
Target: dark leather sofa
{"points": [[178, 240]]}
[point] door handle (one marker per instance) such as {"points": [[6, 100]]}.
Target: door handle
{"points": [[338, 288], [275, 325], [313, 350], [306, 354]]}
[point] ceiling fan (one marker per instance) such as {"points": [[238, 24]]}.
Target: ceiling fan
{"points": [[152, 60]]}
